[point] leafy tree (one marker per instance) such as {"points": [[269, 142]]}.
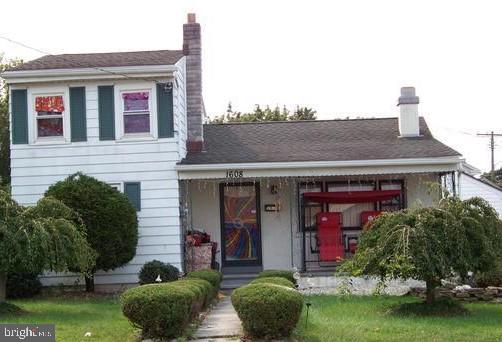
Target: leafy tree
{"points": [[267, 114], [4, 122], [303, 113], [46, 237], [109, 218], [430, 244], [495, 176]]}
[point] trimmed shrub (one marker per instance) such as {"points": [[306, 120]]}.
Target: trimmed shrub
{"points": [[23, 285], [267, 310], [278, 273], [212, 276], [208, 290], [203, 291], [152, 269], [160, 310], [274, 280], [110, 219]]}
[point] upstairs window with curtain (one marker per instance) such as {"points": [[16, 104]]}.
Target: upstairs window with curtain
{"points": [[136, 111], [49, 116]]}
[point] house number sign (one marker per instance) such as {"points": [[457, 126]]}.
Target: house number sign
{"points": [[234, 173]]}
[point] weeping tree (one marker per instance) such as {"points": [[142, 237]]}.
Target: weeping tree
{"points": [[41, 238], [452, 239]]}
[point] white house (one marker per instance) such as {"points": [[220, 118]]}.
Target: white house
{"points": [[470, 184], [272, 195]]}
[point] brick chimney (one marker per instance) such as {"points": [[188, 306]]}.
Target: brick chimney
{"points": [[195, 106], [408, 113]]}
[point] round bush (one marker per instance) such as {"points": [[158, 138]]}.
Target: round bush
{"points": [[212, 276], [274, 280], [23, 285], [110, 219], [278, 273], [161, 310], [267, 310], [209, 292], [152, 269]]}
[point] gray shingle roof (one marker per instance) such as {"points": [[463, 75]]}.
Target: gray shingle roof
{"points": [[322, 140], [111, 59]]}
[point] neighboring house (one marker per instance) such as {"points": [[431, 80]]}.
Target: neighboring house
{"points": [[135, 120], [471, 185]]}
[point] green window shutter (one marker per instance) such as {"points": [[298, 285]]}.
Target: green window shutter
{"points": [[77, 114], [106, 111], [133, 192], [19, 102], [165, 121]]}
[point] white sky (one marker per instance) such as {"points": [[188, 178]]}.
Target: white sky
{"points": [[341, 58]]}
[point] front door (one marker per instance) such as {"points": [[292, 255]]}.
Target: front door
{"points": [[240, 224]]}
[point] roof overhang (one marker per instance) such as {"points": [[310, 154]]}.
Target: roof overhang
{"points": [[470, 169], [102, 73], [319, 168]]}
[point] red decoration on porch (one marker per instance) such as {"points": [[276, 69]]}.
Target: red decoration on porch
{"points": [[329, 236], [368, 216], [51, 104], [351, 196]]}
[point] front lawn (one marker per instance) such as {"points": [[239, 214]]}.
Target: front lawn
{"points": [[101, 317], [333, 318]]}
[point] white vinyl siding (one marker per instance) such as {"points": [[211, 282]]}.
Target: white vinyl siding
{"points": [[472, 187], [151, 162]]}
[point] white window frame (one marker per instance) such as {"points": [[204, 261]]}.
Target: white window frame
{"points": [[119, 111], [117, 186], [64, 116]]}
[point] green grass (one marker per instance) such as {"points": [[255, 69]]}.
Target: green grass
{"points": [[101, 317], [352, 318]]}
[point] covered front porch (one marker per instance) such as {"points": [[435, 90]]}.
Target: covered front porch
{"points": [[275, 222]]}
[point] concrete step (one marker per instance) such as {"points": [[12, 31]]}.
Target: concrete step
{"points": [[233, 281], [240, 276], [230, 284], [241, 269]]}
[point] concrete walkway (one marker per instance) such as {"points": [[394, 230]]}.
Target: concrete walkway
{"points": [[221, 324]]}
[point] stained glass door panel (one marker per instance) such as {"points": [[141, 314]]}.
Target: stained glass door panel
{"points": [[241, 227]]}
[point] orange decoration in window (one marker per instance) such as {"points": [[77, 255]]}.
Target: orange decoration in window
{"points": [[49, 104]]}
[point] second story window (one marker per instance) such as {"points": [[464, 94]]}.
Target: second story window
{"points": [[136, 111], [49, 116]]}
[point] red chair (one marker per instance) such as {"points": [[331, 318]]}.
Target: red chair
{"points": [[329, 236], [368, 216]]}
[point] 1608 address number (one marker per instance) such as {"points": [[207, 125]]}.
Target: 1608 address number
{"points": [[234, 174]]}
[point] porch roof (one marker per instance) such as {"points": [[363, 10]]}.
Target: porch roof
{"points": [[314, 141]]}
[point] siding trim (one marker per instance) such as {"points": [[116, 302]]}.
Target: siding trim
{"points": [[165, 112], [78, 117], [133, 191], [19, 103], [106, 112]]}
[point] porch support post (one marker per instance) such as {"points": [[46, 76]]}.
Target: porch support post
{"points": [[453, 182], [301, 213]]}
